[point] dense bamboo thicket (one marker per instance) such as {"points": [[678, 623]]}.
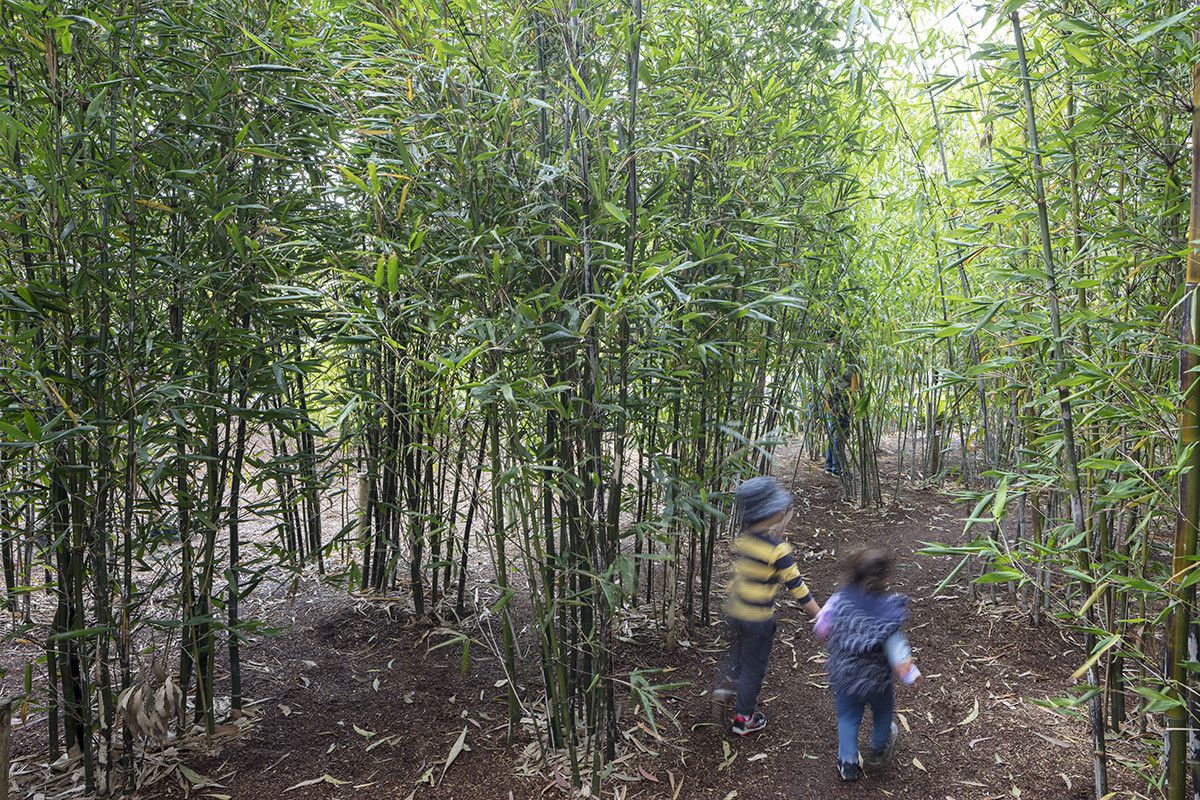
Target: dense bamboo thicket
{"points": [[531, 281], [1055, 155], [489, 305]]}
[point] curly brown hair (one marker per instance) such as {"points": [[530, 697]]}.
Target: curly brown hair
{"points": [[870, 569]]}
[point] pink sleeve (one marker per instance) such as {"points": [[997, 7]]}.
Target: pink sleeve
{"points": [[825, 618]]}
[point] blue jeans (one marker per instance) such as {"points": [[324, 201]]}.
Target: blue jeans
{"points": [[850, 714], [837, 443]]}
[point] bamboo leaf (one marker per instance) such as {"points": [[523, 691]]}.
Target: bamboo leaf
{"points": [[454, 752]]}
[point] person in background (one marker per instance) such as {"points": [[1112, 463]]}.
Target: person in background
{"points": [[762, 563], [838, 400], [863, 626]]}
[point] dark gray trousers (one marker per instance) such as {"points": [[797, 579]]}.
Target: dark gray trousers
{"points": [[745, 663]]}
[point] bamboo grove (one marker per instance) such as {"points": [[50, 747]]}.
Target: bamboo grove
{"points": [[396, 296], [488, 305], [1058, 202]]}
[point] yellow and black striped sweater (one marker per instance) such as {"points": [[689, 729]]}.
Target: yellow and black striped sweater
{"points": [[762, 562]]}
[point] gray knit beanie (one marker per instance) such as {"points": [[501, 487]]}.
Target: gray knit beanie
{"points": [[759, 498]]}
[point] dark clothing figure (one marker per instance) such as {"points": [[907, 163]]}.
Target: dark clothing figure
{"points": [[839, 430], [837, 409], [762, 565]]}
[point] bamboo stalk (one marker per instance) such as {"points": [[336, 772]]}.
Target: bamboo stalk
{"points": [[5, 739], [1070, 455], [1182, 635]]}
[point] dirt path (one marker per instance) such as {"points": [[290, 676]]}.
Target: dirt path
{"points": [[353, 700]]}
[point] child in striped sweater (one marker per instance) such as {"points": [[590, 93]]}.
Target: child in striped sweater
{"points": [[762, 563]]}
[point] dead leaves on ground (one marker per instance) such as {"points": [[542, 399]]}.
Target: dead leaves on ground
{"points": [[326, 778], [972, 715], [160, 758], [454, 752], [151, 703]]}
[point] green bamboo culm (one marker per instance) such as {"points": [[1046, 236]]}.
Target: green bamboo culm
{"points": [[1182, 633], [1070, 453]]}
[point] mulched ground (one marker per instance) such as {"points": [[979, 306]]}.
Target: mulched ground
{"points": [[352, 696]]}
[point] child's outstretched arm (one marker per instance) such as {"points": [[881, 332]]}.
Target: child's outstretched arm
{"points": [[789, 573], [825, 618], [899, 655]]}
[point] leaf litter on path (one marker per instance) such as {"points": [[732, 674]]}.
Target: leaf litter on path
{"points": [[709, 762]]}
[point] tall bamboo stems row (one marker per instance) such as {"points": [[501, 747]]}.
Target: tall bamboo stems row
{"points": [[533, 357]]}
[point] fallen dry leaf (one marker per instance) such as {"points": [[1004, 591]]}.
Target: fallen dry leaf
{"points": [[454, 751], [326, 778]]}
